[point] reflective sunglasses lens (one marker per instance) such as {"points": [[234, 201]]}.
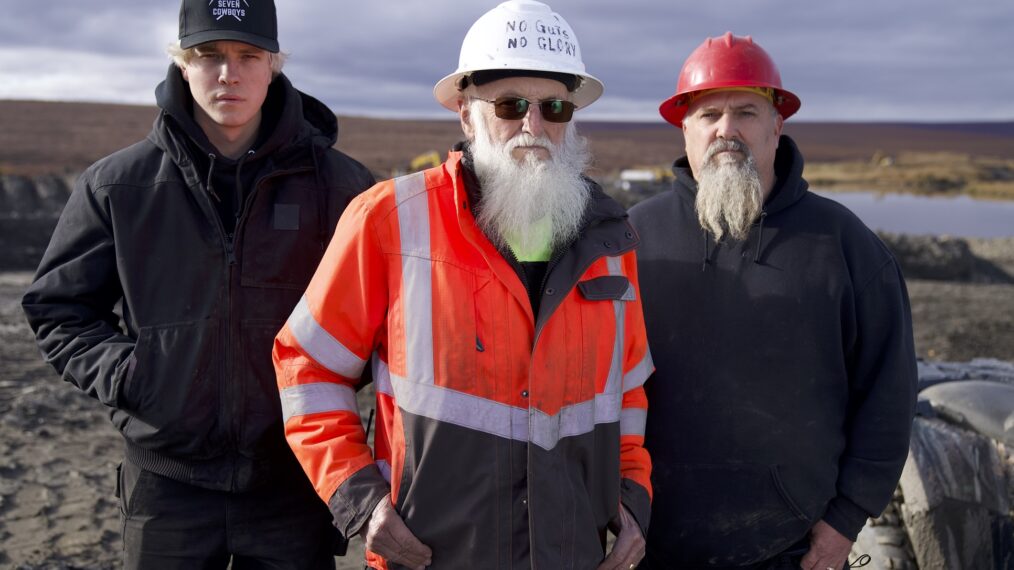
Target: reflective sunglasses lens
{"points": [[557, 110], [510, 108], [515, 108]]}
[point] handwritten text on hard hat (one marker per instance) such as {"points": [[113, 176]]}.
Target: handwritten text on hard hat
{"points": [[549, 37]]}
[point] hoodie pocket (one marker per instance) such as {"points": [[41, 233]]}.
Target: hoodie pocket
{"points": [[731, 515], [173, 389]]}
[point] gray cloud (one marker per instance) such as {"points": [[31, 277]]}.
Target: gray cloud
{"points": [[861, 60]]}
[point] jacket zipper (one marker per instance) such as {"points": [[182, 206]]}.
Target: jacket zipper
{"points": [[226, 240], [229, 243], [553, 261], [235, 405]]}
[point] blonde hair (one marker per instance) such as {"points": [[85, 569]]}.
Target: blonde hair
{"points": [[181, 57]]}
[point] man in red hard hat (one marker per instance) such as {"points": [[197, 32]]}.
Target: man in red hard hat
{"points": [[781, 333]]}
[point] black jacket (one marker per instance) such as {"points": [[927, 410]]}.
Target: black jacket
{"points": [[187, 373], [785, 373]]}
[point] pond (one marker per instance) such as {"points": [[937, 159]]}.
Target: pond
{"points": [[959, 216]]}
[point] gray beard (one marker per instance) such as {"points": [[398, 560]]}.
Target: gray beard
{"points": [[516, 195], [729, 194]]}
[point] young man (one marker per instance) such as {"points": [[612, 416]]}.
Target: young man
{"points": [[785, 387], [497, 297], [204, 235]]}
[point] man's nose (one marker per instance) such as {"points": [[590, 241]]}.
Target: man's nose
{"points": [[228, 72], [533, 122], [726, 127]]}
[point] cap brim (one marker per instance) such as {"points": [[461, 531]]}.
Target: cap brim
{"points": [[198, 38], [446, 90]]}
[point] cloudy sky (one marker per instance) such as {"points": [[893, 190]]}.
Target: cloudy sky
{"points": [[856, 60]]}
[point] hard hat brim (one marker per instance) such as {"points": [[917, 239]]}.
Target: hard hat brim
{"points": [[674, 109], [446, 90]]}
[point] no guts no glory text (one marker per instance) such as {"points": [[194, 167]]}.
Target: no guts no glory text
{"points": [[550, 37]]}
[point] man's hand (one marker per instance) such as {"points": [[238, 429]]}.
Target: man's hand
{"points": [[628, 549], [387, 535], [829, 549]]}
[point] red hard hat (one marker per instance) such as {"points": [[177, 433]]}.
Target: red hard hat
{"points": [[727, 61]]}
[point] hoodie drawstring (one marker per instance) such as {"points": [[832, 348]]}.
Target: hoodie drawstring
{"points": [[757, 251], [237, 200], [760, 238], [207, 183], [704, 261]]}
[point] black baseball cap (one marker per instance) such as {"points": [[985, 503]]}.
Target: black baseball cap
{"points": [[248, 21]]}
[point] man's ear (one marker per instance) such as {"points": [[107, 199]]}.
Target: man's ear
{"points": [[465, 114], [183, 70]]}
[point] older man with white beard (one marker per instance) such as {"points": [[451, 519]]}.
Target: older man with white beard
{"points": [[781, 329], [495, 299], [531, 171]]}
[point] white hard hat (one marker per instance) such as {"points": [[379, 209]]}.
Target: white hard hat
{"points": [[522, 35]]}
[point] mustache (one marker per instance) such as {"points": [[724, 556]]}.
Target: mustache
{"points": [[526, 139], [723, 145]]}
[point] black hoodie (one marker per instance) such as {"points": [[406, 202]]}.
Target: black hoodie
{"points": [[188, 378], [785, 373]]}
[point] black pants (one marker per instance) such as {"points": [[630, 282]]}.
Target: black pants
{"points": [[173, 525], [787, 560]]}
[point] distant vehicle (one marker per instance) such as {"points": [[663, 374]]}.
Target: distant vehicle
{"points": [[646, 178], [425, 160], [954, 506]]}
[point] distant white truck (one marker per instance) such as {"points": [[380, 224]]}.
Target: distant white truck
{"points": [[643, 177]]}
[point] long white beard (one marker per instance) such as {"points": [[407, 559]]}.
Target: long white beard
{"points": [[729, 195], [519, 197]]}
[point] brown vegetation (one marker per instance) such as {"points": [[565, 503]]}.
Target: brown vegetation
{"points": [[937, 173], [59, 138]]}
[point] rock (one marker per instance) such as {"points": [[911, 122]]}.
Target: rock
{"points": [[20, 197], [991, 369], [29, 209], [945, 258], [52, 193]]}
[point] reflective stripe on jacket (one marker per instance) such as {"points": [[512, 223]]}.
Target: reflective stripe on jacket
{"points": [[504, 439]]}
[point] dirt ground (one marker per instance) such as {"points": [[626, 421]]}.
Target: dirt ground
{"points": [[59, 452]]}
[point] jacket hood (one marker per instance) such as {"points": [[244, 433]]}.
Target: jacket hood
{"points": [[789, 188], [297, 121]]}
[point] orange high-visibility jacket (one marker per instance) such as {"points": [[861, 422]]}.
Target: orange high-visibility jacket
{"points": [[506, 439]]}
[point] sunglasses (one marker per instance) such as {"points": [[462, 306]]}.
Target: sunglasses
{"points": [[515, 109]]}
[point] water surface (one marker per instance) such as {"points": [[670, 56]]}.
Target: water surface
{"points": [[929, 215]]}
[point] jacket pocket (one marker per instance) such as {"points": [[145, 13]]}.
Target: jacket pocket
{"points": [[603, 303], [607, 288], [729, 515], [283, 240], [262, 418], [173, 389]]}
